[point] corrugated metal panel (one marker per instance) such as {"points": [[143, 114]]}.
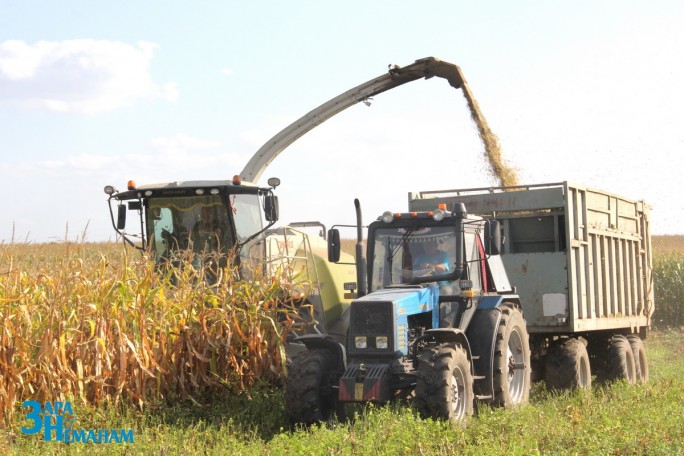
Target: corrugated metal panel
{"points": [[591, 246]]}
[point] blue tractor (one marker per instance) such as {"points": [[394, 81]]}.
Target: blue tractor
{"points": [[434, 319]]}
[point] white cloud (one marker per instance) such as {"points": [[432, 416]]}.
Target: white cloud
{"points": [[227, 72], [83, 76], [181, 143]]}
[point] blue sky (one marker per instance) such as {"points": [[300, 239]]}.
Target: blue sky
{"points": [[96, 93]]}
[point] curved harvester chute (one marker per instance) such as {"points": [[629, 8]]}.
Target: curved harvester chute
{"points": [[396, 76]]}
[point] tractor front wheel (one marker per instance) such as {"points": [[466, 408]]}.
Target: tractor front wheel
{"points": [[444, 386], [309, 396]]}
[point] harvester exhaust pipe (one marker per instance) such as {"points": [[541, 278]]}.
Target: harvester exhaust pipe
{"points": [[360, 259]]}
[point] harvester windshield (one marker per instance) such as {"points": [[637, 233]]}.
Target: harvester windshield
{"points": [[202, 217], [201, 223], [179, 223]]}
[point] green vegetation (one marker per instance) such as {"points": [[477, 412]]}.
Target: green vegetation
{"points": [[610, 419], [668, 271], [211, 417]]}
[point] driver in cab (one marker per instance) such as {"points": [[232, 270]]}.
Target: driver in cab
{"points": [[432, 259]]}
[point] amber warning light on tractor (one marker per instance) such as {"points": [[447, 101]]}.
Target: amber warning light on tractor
{"points": [[131, 185], [237, 180]]}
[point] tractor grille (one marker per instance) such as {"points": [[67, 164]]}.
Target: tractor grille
{"points": [[371, 319]]}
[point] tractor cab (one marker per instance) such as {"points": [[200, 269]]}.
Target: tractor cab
{"points": [[435, 318], [202, 217]]}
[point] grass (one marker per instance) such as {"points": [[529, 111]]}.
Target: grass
{"points": [[610, 419]]}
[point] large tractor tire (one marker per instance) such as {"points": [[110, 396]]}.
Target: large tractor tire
{"points": [[309, 396], [567, 365], [640, 362], [444, 385], [512, 368], [618, 361]]}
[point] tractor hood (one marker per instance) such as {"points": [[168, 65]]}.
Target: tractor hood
{"points": [[384, 314], [409, 299]]}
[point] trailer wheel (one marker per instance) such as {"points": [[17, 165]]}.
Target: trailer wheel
{"points": [[640, 362], [309, 396], [512, 369], [567, 365], [618, 361], [444, 386]]}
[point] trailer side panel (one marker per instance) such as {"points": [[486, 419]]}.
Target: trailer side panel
{"points": [[580, 258]]}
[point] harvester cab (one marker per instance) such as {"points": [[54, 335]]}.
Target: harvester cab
{"points": [[210, 223], [440, 321], [203, 217]]}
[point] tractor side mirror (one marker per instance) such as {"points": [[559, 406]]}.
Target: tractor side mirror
{"points": [[271, 208], [334, 245], [492, 235], [121, 217]]}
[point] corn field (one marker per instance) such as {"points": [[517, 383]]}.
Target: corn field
{"points": [[668, 271], [99, 325]]}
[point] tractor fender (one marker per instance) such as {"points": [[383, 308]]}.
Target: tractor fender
{"points": [[493, 302], [453, 335], [481, 333], [325, 342]]}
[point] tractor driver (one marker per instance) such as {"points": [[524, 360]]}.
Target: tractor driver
{"points": [[433, 261], [432, 258]]}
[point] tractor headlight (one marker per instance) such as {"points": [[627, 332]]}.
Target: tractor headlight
{"points": [[438, 215], [381, 342], [387, 217], [361, 342]]}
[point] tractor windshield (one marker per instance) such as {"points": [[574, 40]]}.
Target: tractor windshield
{"points": [[402, 254]]}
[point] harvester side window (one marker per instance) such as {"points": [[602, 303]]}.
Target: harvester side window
{"points": [[247, 215], [163, 223]]}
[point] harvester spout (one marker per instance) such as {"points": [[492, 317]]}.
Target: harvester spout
{"points": [[396, 76]]}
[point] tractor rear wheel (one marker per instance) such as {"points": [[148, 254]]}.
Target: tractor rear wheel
{"points": [[309, 396], [567, 365], [512, 368], [444, 385]]}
